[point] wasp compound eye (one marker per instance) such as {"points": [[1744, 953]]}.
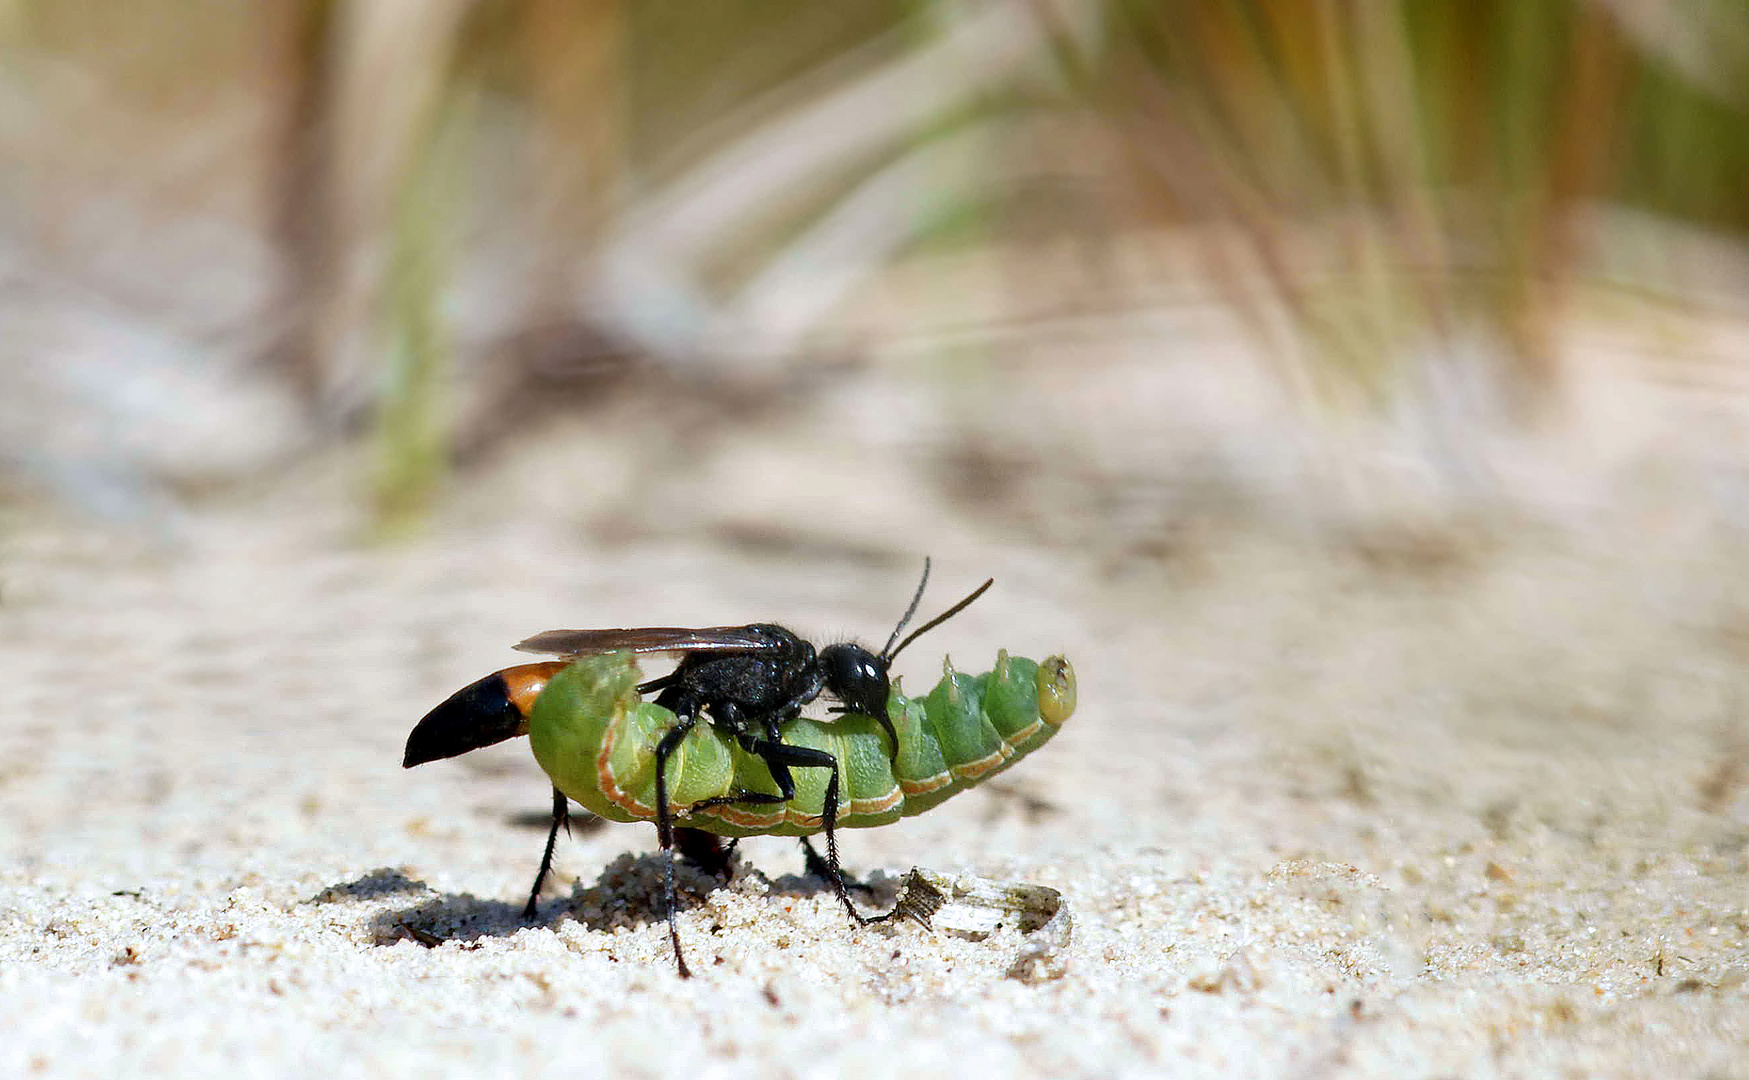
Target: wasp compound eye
{"points": [[856, 677]]}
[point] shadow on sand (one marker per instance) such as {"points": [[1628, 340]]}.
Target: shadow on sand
{"points": [[629, 892]]}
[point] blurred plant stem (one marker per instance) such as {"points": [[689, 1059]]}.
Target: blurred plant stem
{"points": [[418, 349], [577, 83]]}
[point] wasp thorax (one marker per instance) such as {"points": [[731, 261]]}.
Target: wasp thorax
{"points": [[856, 677]]}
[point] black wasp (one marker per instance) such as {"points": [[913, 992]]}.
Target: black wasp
{"points": [[746, 681]]}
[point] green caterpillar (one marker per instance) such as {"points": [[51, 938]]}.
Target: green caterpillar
{"points": [[595, 736]]}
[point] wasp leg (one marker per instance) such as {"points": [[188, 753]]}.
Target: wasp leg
{"points": [[779, 757], [815, 867], [561, 816], [665, 828]]}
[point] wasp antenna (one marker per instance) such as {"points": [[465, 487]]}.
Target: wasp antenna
{"points": [[939, 619], [887, 653]]}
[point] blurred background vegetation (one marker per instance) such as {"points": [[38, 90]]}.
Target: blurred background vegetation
{"points": [[1092, 265]]}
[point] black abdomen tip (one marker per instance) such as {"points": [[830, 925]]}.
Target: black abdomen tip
{"points": [[475, 716]]}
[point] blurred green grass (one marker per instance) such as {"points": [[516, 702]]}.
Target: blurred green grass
{"points": [[1399, 170]]}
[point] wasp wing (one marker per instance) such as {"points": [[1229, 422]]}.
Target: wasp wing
{"points": [[649, 639]]}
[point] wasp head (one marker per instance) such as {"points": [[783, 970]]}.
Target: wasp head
{"points": [[856, 677]]}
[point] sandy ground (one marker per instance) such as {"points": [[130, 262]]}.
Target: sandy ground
{"points": [[1471, 803]]}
